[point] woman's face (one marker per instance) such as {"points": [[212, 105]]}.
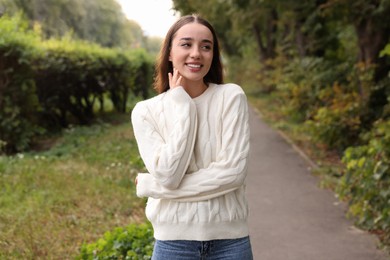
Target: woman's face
{"points": [[192, 51]]}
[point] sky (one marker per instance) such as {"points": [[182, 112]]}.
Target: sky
{"points": [[154, 16]]}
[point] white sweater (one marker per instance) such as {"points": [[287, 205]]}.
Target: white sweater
{"points": [[196, 152]]}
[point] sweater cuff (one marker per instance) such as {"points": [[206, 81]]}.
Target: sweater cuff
{"points": [[144, 183], [179, 95]]}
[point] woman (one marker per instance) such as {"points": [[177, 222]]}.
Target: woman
{"points": [[194, 140]]}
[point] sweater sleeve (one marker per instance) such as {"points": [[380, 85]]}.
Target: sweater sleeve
{"points": [[226, 174], [166, 159]]}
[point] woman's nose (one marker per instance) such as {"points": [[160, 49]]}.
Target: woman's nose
{"points": [[195, 53]]}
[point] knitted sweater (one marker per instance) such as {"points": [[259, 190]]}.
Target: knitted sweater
{"points": [[196, 153]]}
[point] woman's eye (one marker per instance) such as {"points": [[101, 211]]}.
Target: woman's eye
{"points": [[207, 47], [185, 45]]}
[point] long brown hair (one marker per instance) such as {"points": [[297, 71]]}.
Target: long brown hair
{"points": [[164, 66]]}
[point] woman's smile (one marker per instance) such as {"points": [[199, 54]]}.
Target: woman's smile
{"points": [[195, 67]]}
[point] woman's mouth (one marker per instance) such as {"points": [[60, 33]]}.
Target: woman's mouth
{"points": [[194, 67]]}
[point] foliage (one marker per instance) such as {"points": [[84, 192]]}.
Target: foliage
{"points": [[331, 96], [99, 21], [223, 24], [153, 45], [18, 49], [347, 108], [69, 78], [133, 242], [45, 85], [372, 26], [385, 51], [338, 124], [302, 82], [298, 27], [72, 76], [366, 182], [54, 200]]}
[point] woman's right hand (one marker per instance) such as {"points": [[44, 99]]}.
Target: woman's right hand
{"points": [[175, 79]]}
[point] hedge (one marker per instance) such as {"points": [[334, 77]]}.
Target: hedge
{"points": [[72, 76], [49, 84], [18, 100]]}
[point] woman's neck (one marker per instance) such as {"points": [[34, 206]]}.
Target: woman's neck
{"points": [[194, 89]]}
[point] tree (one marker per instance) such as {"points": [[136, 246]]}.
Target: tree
{"points": [[371, 21], [268, 23], [223, 24], [100, 21]]}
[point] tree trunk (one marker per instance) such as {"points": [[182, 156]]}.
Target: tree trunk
{"points": [[271, 33], [267, 47], [371, 40], [4, 80], [260, 44], [300, 39]]}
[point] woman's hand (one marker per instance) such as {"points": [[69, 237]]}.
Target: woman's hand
{"points": [[175, 79]]}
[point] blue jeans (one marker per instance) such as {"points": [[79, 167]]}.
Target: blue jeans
{"points": [[224, 249]]}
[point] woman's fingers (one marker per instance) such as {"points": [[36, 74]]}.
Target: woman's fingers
{"points": [[170, 79], [175, 79]]}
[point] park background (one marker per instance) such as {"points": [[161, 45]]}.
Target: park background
{"points": [[71, 71]]}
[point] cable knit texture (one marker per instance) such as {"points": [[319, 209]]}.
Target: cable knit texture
{"points": [[196, 153]]}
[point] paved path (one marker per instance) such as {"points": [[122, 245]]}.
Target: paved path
{"points": [[291, 218]]}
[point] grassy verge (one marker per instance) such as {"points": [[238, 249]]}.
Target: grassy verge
{"points": [[52, 201]]}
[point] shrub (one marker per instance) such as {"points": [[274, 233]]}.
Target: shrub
{"points": [[47, 85], [337, 124], [18, 101], [346, 108], [133, 242], [303, 81], [366, 183], [72, 76]]}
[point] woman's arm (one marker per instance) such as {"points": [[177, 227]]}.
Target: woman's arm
{"points": [[224, 175], [166, 159]]}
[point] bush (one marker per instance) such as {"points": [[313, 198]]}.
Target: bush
{"points": [[366, 183], [346, 108], [46, 85], [72, 76], [303, 81], [18, 101], [133, 242], [337, 124]]}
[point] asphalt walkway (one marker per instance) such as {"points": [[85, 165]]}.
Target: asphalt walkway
{"points": [[291, 218]]}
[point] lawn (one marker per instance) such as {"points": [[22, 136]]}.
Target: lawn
{"points": [[53, 201]]}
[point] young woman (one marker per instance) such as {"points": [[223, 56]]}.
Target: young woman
{"points": [[194, 140]]}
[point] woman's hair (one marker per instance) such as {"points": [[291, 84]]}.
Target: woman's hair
{"points": [[164, 66]]}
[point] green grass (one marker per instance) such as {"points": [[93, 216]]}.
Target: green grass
{"points": [[53, 201]]}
